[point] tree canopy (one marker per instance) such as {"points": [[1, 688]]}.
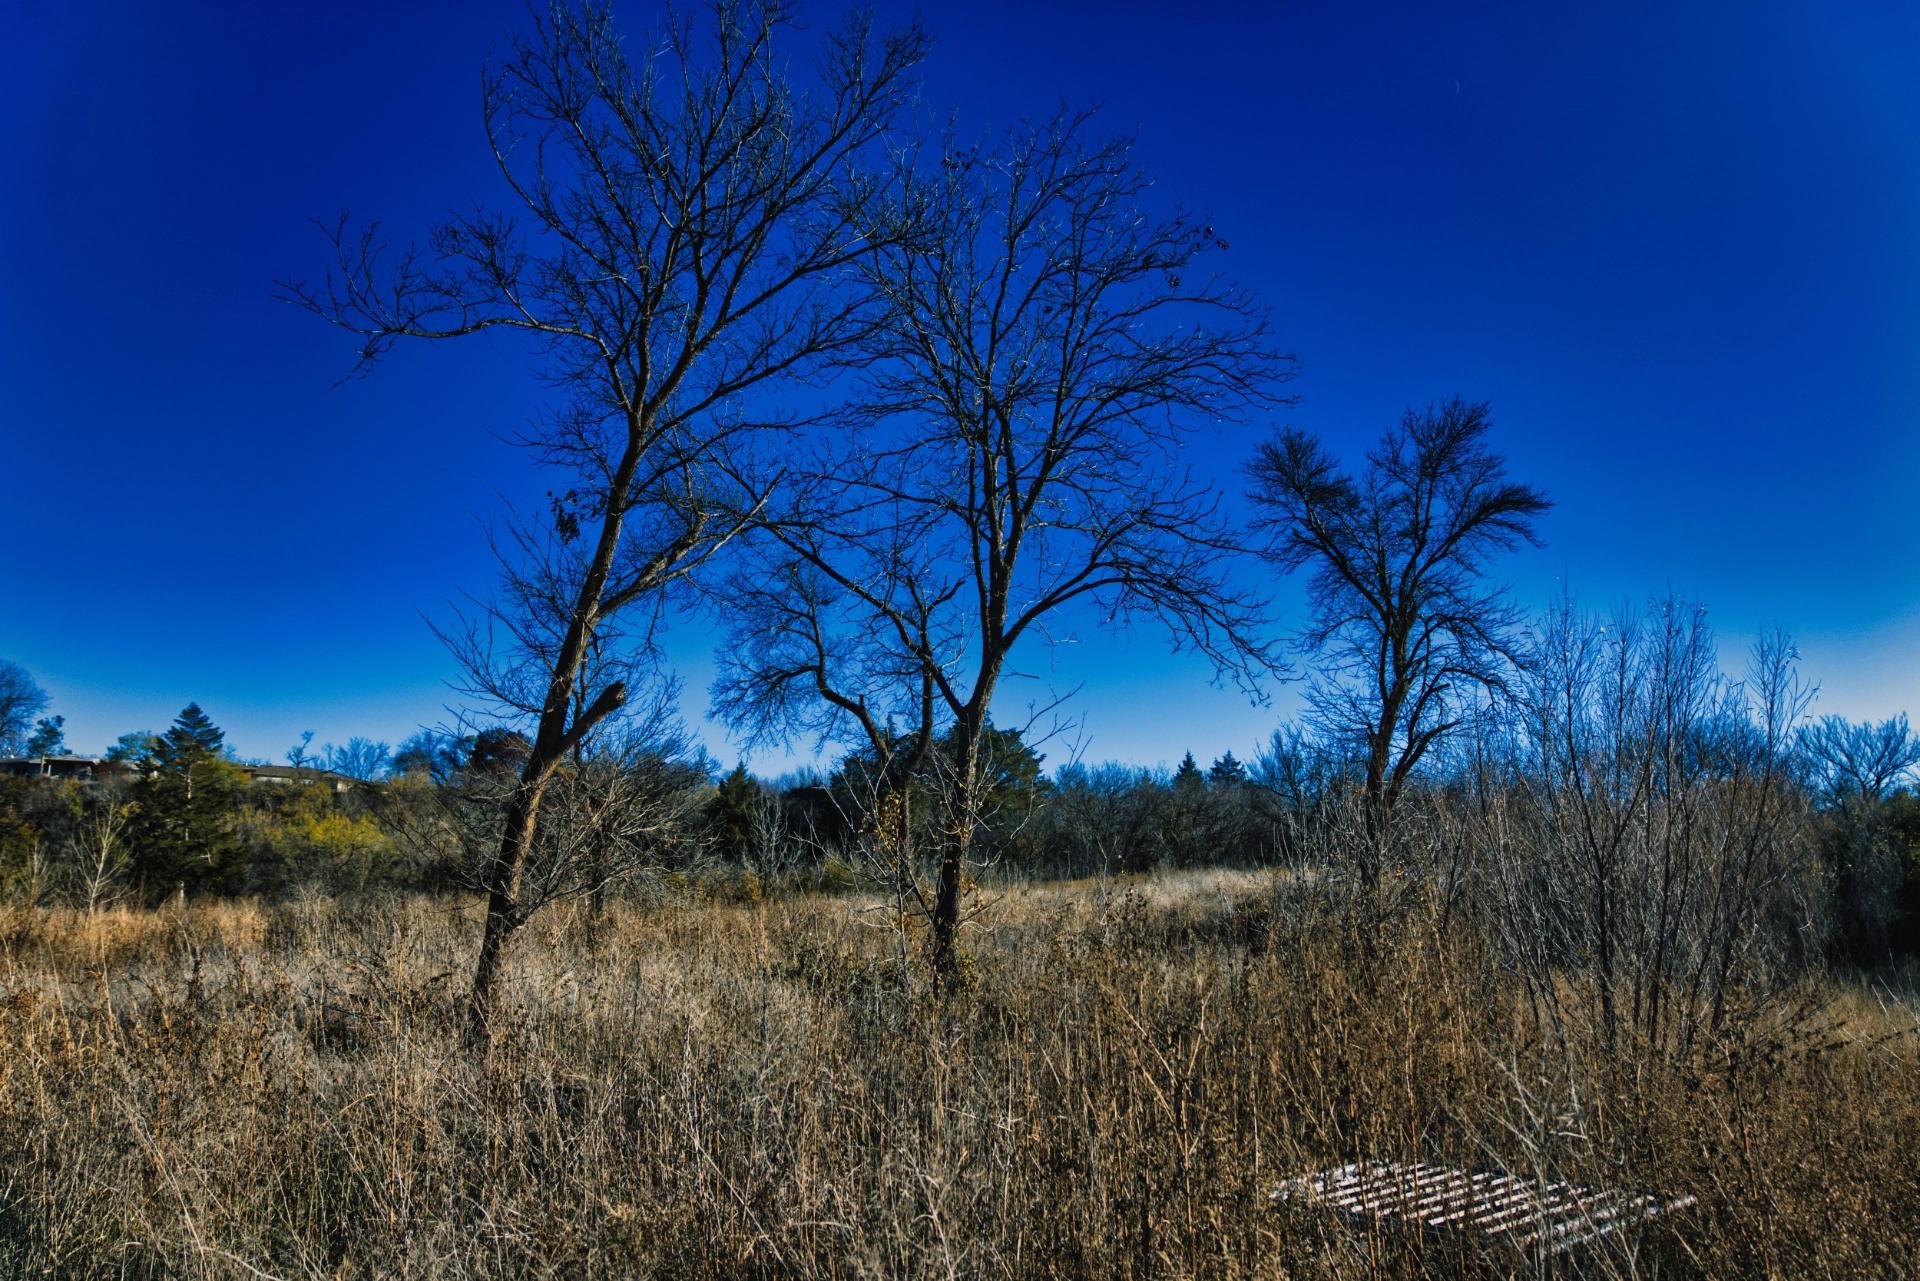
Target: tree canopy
{"points": [[21, 699], [1407, 623]]}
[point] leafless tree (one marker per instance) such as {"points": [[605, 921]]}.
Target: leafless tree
{"points": [[97, 852], [1012, 464], [685, 220], [802, 657], [1301, 784], [770, 849], [628, 801], [361, 758], [1406, 623], [21, 699], [1104, 824], [1852, 769], [1650, 857], [1860, 763], [621, 803]]}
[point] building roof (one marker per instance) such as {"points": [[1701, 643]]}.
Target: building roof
{"points": [[300, 774]]}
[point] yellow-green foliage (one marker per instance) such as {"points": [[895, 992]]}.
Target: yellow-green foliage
{"points": [[303, 837], [337, 836], [739, 886], [837, 876]]}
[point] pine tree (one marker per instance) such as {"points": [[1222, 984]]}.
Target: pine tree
{"points": [[49, 737], [1185, 815], [193, 737], [1227, 772], [184, 834], [732, 812]]}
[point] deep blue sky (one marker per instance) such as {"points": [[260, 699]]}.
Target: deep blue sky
{"points": [[1678, 251]]}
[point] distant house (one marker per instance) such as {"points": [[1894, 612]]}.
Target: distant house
{"points": [[299, 776], [86, 769], [90, 769]]}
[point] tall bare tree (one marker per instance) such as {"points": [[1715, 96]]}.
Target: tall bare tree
{"points": [[686, 219], [1406, 623], [1047, 345]]}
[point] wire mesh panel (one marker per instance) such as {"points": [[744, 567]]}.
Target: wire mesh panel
{"points": [[1530, 1215]]}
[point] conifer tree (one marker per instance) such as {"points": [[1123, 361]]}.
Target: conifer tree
{"points": [[49, 737], [1226, 771], [731, 813], [1185, 814], [192, 736], [183, 837]]}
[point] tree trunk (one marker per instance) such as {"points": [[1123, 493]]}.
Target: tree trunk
{"points": [[1378, 794], [946, 913], [902, 848], [504, 910], [1373, 849], [553, 739], [954, 850]]}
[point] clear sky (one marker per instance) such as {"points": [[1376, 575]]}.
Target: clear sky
{"points": [[1677, 246]]}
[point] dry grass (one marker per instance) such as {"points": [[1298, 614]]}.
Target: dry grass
{"points": [[771, 1090]]}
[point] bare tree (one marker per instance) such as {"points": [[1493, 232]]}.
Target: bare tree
{"points": [[361, 758], [1301, 784], [1047, 345], [1652, 857], [97, 852], [769, 849], [1852, 770], [21, 699], [684, 220], [1860, 763], [627, 802], [801, 657], [1405, 621], [624, 801]]}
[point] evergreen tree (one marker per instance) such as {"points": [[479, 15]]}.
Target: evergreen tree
{"points": [[49, 737], [731, 814], [499, 751], [1010, 777], [1184, 820], [1011, 789], [1227, 772], [1232, 829], [192, 736], [184, 830]]}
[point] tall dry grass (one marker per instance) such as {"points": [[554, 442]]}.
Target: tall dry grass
{"points": [[772, 1090]]}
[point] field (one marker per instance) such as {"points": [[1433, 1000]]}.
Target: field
{"points": [[691, 1089]]}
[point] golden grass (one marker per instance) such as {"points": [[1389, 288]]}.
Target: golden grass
{"points": [[772, 1090]]}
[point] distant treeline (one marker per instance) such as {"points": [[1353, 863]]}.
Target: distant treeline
{"points": [[1575, 815]]}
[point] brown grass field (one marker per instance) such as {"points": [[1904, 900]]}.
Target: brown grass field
{"points": [[697, 1090]]}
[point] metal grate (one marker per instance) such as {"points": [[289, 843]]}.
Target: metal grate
{"points": [[1528, 1215]]}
